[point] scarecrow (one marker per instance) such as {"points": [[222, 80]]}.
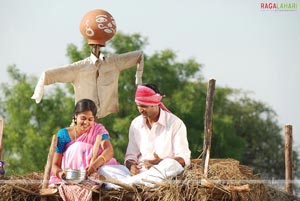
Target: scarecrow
{"points": [[95, 77]]}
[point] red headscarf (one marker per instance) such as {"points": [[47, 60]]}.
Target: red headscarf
{"points": [[147, 96]]}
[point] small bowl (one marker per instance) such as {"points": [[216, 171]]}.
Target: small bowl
{"points": [[75, 175]]}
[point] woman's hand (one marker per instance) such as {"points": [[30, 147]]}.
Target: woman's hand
{"points": [[61, 174], [91, 169]]}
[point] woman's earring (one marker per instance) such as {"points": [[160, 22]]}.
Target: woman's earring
{"points": [[74, 121]]}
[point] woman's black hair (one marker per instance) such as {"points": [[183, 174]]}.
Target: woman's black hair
{"points": [[84, 105]]}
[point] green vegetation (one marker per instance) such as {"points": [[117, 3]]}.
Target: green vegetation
{"points": [[244, 129]]}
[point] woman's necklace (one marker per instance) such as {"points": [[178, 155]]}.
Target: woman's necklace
{"points": [[75, 132]]}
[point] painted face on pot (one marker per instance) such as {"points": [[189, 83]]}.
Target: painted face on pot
{"points": [[85, 121], [98, 26], [106, 23]]}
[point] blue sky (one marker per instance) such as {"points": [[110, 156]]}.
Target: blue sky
{"points": [[239, 44]]}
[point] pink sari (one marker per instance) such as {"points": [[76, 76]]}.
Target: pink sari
{"points": [[78, 153]]}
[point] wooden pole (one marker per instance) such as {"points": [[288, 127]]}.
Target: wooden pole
{"points": [[101, 178], [96, 148], [208, 125], [49, 162], [1, 134], [288, 158], [22, 189]]}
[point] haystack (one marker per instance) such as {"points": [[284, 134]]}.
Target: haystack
{"points": [[227, 180]]}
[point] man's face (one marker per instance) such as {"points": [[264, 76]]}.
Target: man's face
{"points": [[148, 111]]}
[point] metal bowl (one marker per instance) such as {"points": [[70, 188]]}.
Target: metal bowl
{"points": [[75, 175]]}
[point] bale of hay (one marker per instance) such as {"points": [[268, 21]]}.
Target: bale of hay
{"points": [[227, 180], [9, 187]]}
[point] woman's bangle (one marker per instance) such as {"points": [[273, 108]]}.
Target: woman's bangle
{"points": [[103, 158]]}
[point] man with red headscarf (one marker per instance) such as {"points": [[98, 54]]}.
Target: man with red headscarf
{"points": [[156, 138]]}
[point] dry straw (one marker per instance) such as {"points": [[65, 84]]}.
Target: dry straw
{"points": [[227, 180]]}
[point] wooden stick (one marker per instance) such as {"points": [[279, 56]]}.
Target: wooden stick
{"points": [[209, 184], [96, 50], [208, 125], [288, 158], [1, 134], [155, 183], [116, 182], [49, 162], [242, 188], [48, 166], [102, 179], [96, 148], [22, 189]]}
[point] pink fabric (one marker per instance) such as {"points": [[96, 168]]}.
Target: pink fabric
{"points": [[75, 192], [147, 96], [79, 153]]}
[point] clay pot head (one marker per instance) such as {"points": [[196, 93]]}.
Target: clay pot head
{"points": [[98, 26]]}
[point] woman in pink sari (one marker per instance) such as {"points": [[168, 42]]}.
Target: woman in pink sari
{"points": [[75, 147]]}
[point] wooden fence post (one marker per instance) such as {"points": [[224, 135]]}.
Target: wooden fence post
{"points": [[208, 125], [49, 162], [288, 129]]}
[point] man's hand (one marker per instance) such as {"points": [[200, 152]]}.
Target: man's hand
{"points": [[135, 169], [149, 163]]}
